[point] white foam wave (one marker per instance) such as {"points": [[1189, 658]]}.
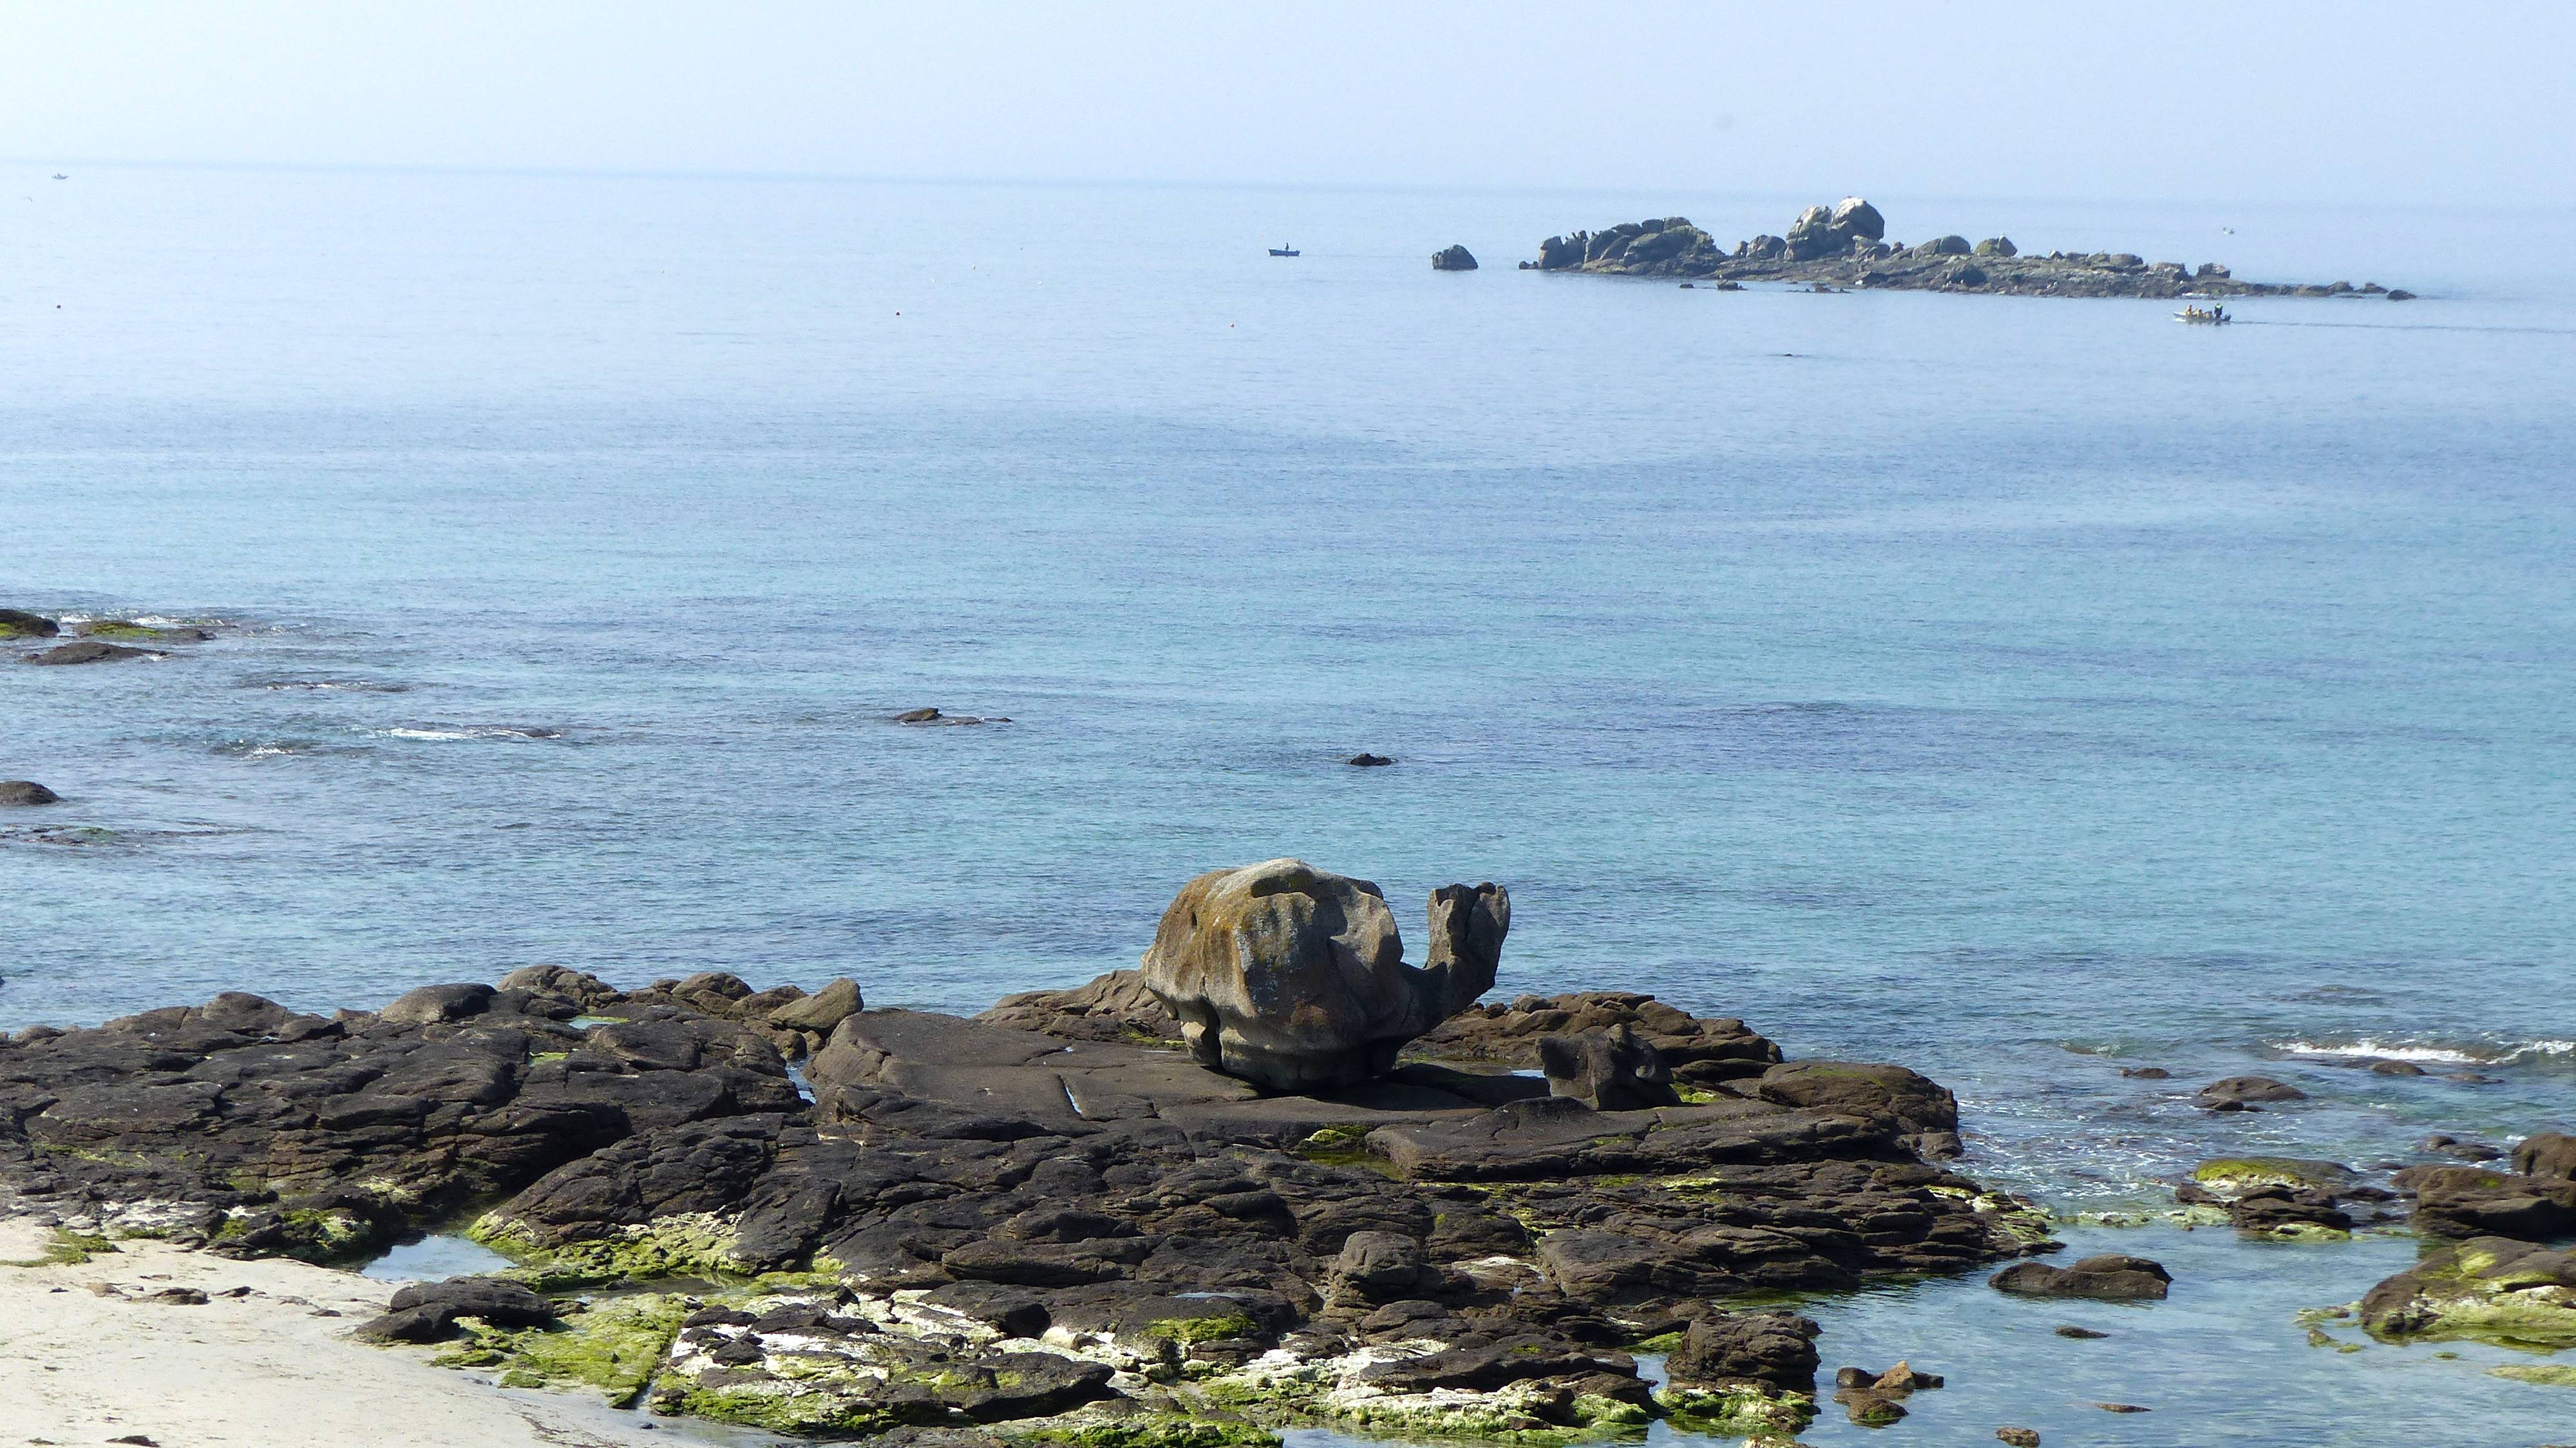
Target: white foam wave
{"points": [[2376, 1051], [2368, 1049]]}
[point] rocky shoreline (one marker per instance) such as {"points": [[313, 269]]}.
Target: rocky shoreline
{"points": [[1845, 246], [1060, 1222]]}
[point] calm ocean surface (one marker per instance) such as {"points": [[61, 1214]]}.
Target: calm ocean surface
{"points": [[2019, 689]]}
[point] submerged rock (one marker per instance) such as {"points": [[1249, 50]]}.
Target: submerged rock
{"points": [[128, 631], [1292, 977], [90, 651], [2237, 1093]]}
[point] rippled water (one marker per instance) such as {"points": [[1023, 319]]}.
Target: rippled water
{"points": [[2020, 689]]}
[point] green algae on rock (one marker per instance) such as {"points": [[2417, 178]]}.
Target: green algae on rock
{"points": [[2487, 1289], [614, 1345]]}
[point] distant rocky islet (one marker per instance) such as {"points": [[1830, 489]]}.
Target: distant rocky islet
{"points": [[1844, 246]]}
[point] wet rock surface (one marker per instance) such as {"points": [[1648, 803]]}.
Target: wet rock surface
{"points": [[22, 793], [1844, 245], [975, 1223]]}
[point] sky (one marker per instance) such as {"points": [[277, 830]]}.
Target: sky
{"points": [[2357, 102]]}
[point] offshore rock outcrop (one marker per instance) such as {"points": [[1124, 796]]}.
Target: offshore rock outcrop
{"points": [[1292, 977], [1081, 1237], [1845, 245]]}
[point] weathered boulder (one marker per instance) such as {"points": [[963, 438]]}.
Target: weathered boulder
{"points": [[1612, 1070], [19, 624], [2546, 1154], [1812, 234], [1774, 1349], [1853, 219], [431, 1004], [1997, 246], [1951, 245], [2111, 1277], [836, 1002], [1453, 258], [2470, 1201], [1378, 1267], [1368, 761], [23, 792], [1291, 977]]}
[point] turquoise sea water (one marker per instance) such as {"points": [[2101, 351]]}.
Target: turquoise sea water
{"points": [[2020, 689]]}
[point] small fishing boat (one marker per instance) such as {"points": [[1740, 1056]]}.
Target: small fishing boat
{"points": [[1283, 251], [2204, 316]]}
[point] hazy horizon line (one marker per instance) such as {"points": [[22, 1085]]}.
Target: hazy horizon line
{"points": [[802, 177]]}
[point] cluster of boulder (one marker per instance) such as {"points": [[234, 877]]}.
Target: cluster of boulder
{"points": [[2496, 1277], [94, 641], [1845, 245], [1184, 1205]]}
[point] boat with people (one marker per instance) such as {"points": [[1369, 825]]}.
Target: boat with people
{"points": [[2214, 315], [1283, 251]]}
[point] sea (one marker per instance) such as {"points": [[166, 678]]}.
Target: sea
{"points": [[2022, 689]]}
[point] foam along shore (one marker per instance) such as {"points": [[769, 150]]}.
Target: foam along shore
{"points": [[120, 1343]]}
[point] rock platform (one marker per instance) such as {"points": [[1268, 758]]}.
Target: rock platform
{"points": [[1046, 1225]]}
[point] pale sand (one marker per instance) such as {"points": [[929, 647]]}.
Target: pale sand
{"points": [[262, 1371]]}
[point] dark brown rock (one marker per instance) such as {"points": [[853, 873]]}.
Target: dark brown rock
{"points": [[25, 792], [2239, 1092], [2110, 1277]]}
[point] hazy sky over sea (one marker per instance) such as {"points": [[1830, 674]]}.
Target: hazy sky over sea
{"points": [[2357, 100]]}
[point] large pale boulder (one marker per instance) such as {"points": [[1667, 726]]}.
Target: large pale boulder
{"points": [[1853, 218], [1293, 978]]}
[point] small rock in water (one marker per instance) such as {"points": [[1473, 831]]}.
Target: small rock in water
{"points": [[26, 792], [2110, 1277], [2121, 1408], [2460, 1147], [20, 624], [1368, 761], [1904, 1378], [916, 716], [2236, 1093], [2018, 1437], [1453, 258], [2081, 1334], [2395, 1068], [2147, 1073]]}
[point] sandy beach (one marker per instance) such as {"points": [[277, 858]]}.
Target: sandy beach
{"points": [[87, 1355]]}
